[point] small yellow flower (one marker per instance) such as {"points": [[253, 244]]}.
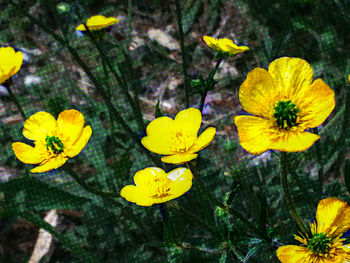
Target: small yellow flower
{"points": [[55, 141], [224, 45], [349, 79], [325, 245], [178, 138], [287, 102], [10, 63], [154, 186], [98, 23]]}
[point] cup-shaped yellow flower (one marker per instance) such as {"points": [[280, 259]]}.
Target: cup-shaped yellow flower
{"points": [[54, 140], [325, 245], [286, 102], [97, 23], [224, 45], [10, 63], [154, 186], [178, 138]]}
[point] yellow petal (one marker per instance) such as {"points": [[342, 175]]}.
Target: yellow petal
{"points": [[11, 62], [332, 212], [142, 177], [70, 124], [258, 93], [181, 181], [293, 141], [292, 76], [98, 22], [39, 125], [252, 133], [293, 254], [203, 140], [53, 163], [78, 146], [26, 153], [189, 120], [211, 42], [133, 194], [159, 135], [227, 45], [81, 27], [316, 104], [179, 158]]}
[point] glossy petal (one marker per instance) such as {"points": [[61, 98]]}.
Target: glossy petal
{"points": [[39, 125], [224, 45], [203, 140], [134, 194], [253, 134], [78, 146], [182, 181], [159, 135], [293, 141], [142, 177], [292, 76], [293, 254], [189, 120], [70, 125], [332, 212], [53, 163], [179, 158], [26, 153], [211, 42], [257, 93], [317, 102]]}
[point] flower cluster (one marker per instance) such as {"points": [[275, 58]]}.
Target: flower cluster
{"points": [[177, 138]]}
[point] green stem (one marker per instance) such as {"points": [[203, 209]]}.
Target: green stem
{"points": [[88, 188], [129, 22], [209, 83], [65, 241], [226, 208], [288, 197], [319, 159], [122, 84], [193, 217], [7, 85], [183, 51]]}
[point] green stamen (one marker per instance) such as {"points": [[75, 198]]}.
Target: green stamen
{"points": [[286, 114], [319, 243], [55, 144]]}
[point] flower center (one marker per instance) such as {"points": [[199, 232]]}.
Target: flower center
{"points": [[159, 187], [55, 144], [286, 114], [181, 142], [319, 243]]}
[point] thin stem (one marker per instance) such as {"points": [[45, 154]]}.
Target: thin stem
{"points": [[65, 241], [88, 188], [319, 159], [209, 83], [226, 208], [288, 197], [183, 51], [122, 84], [129, 22], [7, 85]]}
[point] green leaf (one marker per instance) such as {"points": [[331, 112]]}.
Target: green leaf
{"points": [[158, 112], [31, 193]]}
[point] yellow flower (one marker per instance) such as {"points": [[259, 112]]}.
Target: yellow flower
{"points": [[154, 186], [224, 45], [287, 102], [178, 138], [98, 23], [349, 79], [55, 141], [10, 63], [325, 245]]}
